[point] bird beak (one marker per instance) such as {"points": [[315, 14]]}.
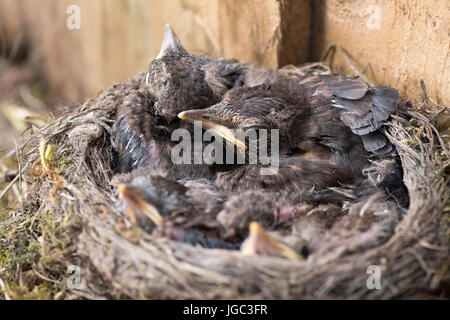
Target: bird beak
{"points": [[226, 133], [138, 205], [170, 42], [261, 243]]}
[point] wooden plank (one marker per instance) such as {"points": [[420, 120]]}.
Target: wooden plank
{"points": [[403, 40]]}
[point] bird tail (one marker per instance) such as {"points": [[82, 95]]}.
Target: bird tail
{"points": [[363, 109]]}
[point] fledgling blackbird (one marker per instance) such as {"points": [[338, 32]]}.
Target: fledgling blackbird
{"points": [[272, 210], [318, 118], [183, 81], [167, 208], [141, 140], [276, 211], [136, 132], [306, 230], [175, 81]]}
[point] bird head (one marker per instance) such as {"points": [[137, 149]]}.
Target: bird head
{"points": [[151, 198], [270, 208], [242, 208], [178, 79], [211, 118], [240, 110], [138, 206]]}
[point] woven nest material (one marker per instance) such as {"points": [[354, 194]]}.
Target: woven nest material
{"points": [[118, 260]]}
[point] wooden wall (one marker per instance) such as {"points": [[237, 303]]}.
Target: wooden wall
{"points": [[119, 38], [403, 40]]}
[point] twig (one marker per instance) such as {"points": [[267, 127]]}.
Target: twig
{"points": [[5, 290], [436, 132], [44, 277], [435, 114], [352, 66], [25, 169], [424, 91], [335, 48], [9, 186], [19, 163], [30, 100], [8, 155]]}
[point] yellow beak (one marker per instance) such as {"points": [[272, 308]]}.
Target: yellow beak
{"points": [[138, 205], [259, 242], [223, 131]]}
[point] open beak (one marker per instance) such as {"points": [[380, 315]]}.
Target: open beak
{"points": [[259, 242], [226, 133], [137, 205]]}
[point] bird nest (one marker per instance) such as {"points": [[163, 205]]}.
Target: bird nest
{"points": [[72, 219]]}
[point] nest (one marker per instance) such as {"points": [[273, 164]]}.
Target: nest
{"points": [[71, 162]]}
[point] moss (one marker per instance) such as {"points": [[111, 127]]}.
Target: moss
{"points": [[38, 246], [64, 163], [42, 291], [25, 224], [4, 258]]}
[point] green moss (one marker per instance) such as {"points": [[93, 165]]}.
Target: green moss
{"points": [[25, 224], [42, 291], [36, 244], [64, 163], [4, 258]]}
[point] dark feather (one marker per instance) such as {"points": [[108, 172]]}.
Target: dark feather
{"points": [[362, 109], [367, 113], [132, 129], [385, 100], [376, 142], [348, 89]]}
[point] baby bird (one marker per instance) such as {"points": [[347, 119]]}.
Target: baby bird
{"points": [[271, 210], [319, 119], [182, 81], [167, 208], [175, 81], [141, 140]]}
